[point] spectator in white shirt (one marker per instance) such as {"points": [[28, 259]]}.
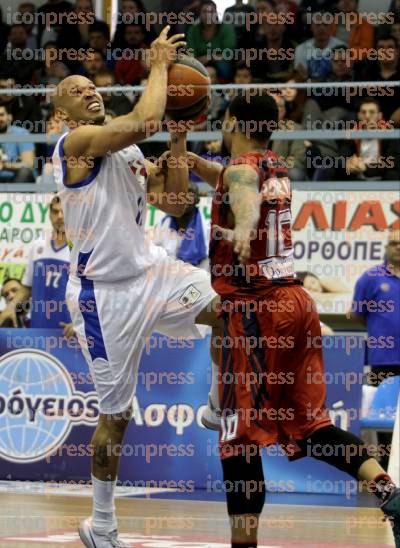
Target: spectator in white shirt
{"points": [[312, 58]]}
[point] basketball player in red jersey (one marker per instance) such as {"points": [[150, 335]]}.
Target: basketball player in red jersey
{"points": [[266, 389]]}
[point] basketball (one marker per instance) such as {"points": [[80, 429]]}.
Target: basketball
{"points": [[188, 89]]}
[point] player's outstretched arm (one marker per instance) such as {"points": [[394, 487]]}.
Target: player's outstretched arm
{"points": [[144, 120], [207, 170], [169, 180], [241, 182]]}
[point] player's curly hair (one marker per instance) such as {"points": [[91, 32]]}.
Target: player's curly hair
{"points": [[256, 114]]}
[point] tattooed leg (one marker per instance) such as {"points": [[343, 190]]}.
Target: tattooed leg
{"points": [[107, 444]]}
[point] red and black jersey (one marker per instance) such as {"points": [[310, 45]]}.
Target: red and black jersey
{"points": [[271, 259]]}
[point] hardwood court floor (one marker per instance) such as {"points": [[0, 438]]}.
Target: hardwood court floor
{"points": [[50, 521]]}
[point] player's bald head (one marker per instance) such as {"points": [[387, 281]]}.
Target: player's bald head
{"points": [[64, 88], [76, 99]]}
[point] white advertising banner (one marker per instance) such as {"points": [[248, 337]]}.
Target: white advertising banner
{"points": [[337, 236]]}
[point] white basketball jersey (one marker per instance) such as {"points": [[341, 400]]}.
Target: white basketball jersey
{"points": [[105, 216]]}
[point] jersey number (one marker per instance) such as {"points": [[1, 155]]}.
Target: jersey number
{"points": [[229, 426], [278, 224], [52, 278]]}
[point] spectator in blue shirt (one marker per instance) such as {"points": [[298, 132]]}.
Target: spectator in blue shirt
{"points": [[16, 159], [377, 301]]}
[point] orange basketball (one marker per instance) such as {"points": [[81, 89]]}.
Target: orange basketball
{"points": [[188, 89]]}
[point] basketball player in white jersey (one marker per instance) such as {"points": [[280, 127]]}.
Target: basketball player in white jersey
{"points": [[120, 287]]}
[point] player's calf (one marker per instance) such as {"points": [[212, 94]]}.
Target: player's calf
{"points": [[244, 486]]}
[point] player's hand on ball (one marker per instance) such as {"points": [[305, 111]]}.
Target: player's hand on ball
{"points": [[163, 49], [240, 238]]}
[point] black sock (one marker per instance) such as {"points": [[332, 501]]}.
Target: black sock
{"points": [[381, 486], [244, 544]]}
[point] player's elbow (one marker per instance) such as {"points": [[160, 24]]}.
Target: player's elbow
{"points": [[151, 125]]}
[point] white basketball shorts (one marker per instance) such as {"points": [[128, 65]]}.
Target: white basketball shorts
{"points": [[113, 320]]}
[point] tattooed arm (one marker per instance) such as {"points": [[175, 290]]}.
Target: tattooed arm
{"points": [[208, 170], [241, 181]]}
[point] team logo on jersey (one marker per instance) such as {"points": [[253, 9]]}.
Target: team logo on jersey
{"points": [[139, 171], [39, 405], [385, 287], [189, 297], [276, 188]]}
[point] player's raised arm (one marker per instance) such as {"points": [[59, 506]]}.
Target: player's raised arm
{"points": [[168, 181], [207, 170], [241, 182], [79, 104]]}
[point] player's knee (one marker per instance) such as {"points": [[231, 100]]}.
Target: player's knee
{"points": [[116, 423]]}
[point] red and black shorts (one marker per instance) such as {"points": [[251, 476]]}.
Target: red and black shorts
{"points": [[269, 366]]}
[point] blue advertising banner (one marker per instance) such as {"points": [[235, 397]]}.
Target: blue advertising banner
{"points": [[48, 409]]}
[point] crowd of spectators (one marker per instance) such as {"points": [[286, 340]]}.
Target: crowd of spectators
{"points": [[270, 41]]}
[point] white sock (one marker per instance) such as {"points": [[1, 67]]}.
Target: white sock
{"points": [[214, 385], [103, 517]]}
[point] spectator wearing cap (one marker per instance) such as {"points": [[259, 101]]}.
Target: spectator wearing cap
{"points": [[17, 159]]}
